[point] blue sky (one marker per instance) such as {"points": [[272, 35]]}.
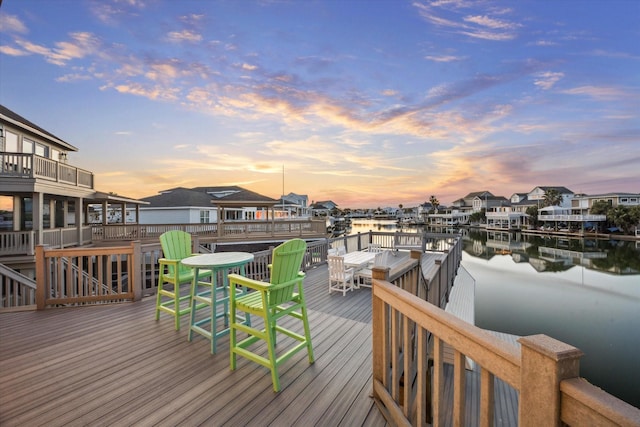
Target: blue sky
{"points": [[366, 103]]}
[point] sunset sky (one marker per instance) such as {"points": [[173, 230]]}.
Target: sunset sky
{"points": [[366, 103]]}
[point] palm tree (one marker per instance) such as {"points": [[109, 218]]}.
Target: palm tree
{"points": [[552, 197], [434, 202]]}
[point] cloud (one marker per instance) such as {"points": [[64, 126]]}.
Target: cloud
{"points": [[547, 79], [448, 15], [444, 58], [600, 93], [12, 51], [81, 44], [12, 24], [184, 36], [495, 24]]}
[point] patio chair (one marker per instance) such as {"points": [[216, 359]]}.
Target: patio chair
{"points": [[176, 246], [364, 276], [341, 279], [374, 247], [282, 297]]}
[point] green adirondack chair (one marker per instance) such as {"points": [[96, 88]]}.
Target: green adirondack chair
{"points": [[282, 296], [176, 246]]}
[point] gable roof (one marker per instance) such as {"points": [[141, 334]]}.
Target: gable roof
{"points": [[561, 190], [26, 125], [478, 194], [179, 197], [208, 197], [234, 193]]}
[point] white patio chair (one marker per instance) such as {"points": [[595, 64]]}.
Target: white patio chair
{"points": [[341, 279], [374, 247], [364, 276]]}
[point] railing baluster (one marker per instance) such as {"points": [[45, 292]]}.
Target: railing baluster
{"points": [[487, 398]]}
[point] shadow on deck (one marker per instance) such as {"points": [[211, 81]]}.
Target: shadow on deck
{"points": [[115, 365]]}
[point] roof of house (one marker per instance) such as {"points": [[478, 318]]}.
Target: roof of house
{"points": [[561, 190], [208, 197], [478, 194], [17, 120]]}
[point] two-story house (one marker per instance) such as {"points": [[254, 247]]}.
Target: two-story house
{"points": [[44, 199]]}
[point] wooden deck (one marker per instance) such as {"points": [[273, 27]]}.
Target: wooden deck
{"points": [[115, 365]]}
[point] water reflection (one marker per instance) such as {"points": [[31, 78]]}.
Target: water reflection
{"points": [[585, 293]]}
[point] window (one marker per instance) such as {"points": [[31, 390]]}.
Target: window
{"points": [[42, 150], [204, 217], [10, 142], [27, 146]]}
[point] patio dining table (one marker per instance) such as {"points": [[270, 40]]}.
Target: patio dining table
{"points": [[358, 259]]}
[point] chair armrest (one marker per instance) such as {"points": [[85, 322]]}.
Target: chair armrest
{"points": [[236, 279], [168, 261]]}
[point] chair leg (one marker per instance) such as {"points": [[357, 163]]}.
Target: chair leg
{"points": [[270, 330], [176, 305], [232, 336], [158, 298], [307, 334]]}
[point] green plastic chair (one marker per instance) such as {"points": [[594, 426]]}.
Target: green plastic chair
{"points": [[176, 246], [282, 297]]}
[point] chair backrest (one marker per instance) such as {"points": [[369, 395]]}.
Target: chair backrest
{"points": [[374, 247], [286, 265], [336, 268], [176, 245]]}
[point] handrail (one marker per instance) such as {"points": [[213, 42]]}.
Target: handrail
{"points": [[58, 285], [409, 336], [17, 292]]}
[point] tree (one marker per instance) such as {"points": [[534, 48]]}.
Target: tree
{"points": [[600, 207], [478, 217], [434, 202], [532, 211], [552, 197], [624, 218]]}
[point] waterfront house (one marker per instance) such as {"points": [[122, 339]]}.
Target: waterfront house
{"points": [[44, 198], [582, 203], [323, 208], [538, 194], [296, 205], [204, 205]]}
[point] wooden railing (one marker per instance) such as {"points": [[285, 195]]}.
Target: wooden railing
{"points": [[240, 230], [17, 243], [409, 377], [34, 166], [17, 292], [83, 276]]}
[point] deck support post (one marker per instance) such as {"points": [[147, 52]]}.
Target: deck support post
{"points": [[545, 362]]}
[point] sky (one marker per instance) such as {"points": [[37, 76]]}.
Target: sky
{"points": [[368, 103]]}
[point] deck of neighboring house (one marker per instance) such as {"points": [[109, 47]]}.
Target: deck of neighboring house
{"points": [[115, 365]]}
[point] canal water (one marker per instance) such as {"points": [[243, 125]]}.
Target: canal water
{"points": [[583, 292]]}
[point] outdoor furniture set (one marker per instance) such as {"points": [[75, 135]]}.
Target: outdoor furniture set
{"points": [[219, 285], [349, 271]]}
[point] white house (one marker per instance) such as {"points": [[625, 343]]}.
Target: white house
{"points": [[202, 205]]}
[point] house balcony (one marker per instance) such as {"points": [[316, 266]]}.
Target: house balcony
{"points": [[573, 218], [18, 169]]}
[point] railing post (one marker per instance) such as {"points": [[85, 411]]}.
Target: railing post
{"points": [[136, 270], [41, 281], [545, 362]]}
